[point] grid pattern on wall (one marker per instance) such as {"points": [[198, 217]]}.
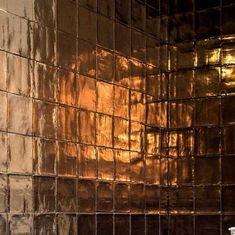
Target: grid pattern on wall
{"points": [[111, 124]]}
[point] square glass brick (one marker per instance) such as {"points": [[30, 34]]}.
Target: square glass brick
{"points": [[66, 224], [122, 197], [205, 224], [137, 224], [106, 7], [228, 174], [3, 224], [138, 45], [21, 198], [66, 89], [90, 4], [21, 224], [122, 224], [152, 198], [44, 156], [228, 77], [137, 204], [105, 224], [105, 97], [228, 145], [153, 52], [105, 163], [44, 194], [138, 101], [123, 11], [136, 136], [86, 224], [121, 133], [3, 194], [152, 169], [105, 196], [138, 14], [122, 70], [228, 203], [228, 19], [67, 159], [152, 225], [3, 152], [66, 195], [86, 196], [182, 224], [122, 165], [20, 149], [153, 141], [86, 94], [3, 68], [137, 167], [87, 161], [44, 224], [228, 116], [185, 171]]}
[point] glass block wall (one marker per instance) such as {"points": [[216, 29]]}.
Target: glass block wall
{"points": [[117, 117]]}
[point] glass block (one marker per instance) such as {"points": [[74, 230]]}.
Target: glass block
{"points": [[138, 73], [66, 51], [122, 224], [66, 22], [181, 84], [87, 161], [137, 167], [137, 106], [228, 19], [44, 119], [205, 224], [19, 75], [87, 24], [228, 116], [121, 102], [21, 224], [207, 141], [164, 171], [152, 198], [3, 151], [185, 171], [90, 4], [152, 169], [18, 36], [122, 165], [86, 224], [136, 136], [3, 114], [153, 20], [207, 171], [104, 224], [181, 113], [137, 198], [138, 14], [45, 11], [152, 225], [20, 194], [122, 197], [207, 111], [228, 175], [205, 28], [20, 114], [106, 7], [44, 41], [3, 224], [153, 52], [66, 195], [67, 159], [105, 196], [44, 82], [105, 32], [153, 81], [122, 39], [153, 141], [103, 130], [20, 149], [3, 68], [172, 171], [228, 53], [228, 194], [207, 199], [123, 11], [86, 94], [228, 77], [208, 52], [164, 199], [104, 97], [181, 199], [66, 89], [181, 224], [228, 145], [185, 143], [3, 194], [105, 65], [228, 222], [207, 82], [44, 156], [86, 58], [44, 194], [66, 224], [44, 224], [138, 45], [153, 112], [86, 196], [137, 224], [122, 70], [86, 127], [121, 133], [105, 163], [67, 123], [185, 56]]}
